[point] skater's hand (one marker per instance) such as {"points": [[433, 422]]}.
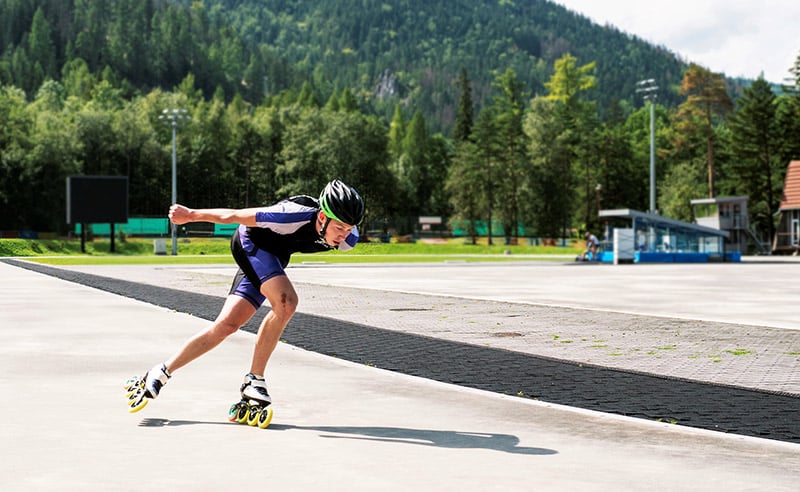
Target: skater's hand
{"points": [[179, 214]]}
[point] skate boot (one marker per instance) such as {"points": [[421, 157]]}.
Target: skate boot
{"points": [[142, 389], [255, 407]]}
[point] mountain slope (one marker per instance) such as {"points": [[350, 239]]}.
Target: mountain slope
{"points": [[424, 44], [406, 51]]}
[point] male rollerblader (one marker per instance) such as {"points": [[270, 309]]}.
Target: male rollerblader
{"points": [[262, 247]]}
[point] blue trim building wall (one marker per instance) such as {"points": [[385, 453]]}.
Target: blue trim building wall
{"points": [[658, 239]]}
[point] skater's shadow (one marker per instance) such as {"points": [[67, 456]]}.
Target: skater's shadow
{"points": [[424, 437], [400, 435], [150, 422]]}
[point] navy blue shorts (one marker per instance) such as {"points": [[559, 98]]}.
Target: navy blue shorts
{"points": [[255, 268]]}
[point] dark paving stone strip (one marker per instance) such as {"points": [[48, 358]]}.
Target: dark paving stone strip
{"points": [[701, 405]]}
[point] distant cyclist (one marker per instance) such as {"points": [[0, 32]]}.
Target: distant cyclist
{"points": [[592, 245], [262, 247]]}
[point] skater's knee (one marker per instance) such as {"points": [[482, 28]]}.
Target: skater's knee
{"points": [[222, 329], [286, 305]]}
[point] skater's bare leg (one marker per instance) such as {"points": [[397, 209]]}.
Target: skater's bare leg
{"points": [[235, 312], [282, 299]]}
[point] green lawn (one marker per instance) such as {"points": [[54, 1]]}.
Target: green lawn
{"points": [[216, 250]]}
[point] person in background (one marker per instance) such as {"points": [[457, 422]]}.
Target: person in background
{"points": [[592, 245]]}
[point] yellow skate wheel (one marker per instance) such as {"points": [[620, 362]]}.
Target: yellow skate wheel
{"points": [[132, 396], [264, 417], [252, 417], [241, 415], [136, 405]]}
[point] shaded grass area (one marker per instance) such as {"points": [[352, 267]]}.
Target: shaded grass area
{"points": [[217, 250]]}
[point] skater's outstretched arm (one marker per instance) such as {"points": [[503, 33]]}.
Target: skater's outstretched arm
{"points": [[180, 214]]}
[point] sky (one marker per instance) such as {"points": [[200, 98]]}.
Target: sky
{"points": [[740, 38]]}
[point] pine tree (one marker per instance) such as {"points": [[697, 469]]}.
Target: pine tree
{"points": [[307, 98], [397, 132], [41, 48], [347, 102], [333, 103], [753, 138], [789, 117], [512, 159], [707, 99], [464, 117], [463, 186], [569, 81], [416, 165]]}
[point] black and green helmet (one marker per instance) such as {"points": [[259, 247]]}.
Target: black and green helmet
{"points": [[342, 202]]}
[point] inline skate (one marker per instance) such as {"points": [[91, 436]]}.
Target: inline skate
{"points": [[140, 390], [255, 407]]}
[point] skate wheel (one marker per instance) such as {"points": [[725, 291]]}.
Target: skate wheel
{"points": [[130, 383], [241, 415], [233, 412], [137, 404], [133, 385], [131, 394], [252, 416], [264, 417]]}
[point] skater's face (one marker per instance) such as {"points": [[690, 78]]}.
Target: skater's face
{"points": [[336, 232]]}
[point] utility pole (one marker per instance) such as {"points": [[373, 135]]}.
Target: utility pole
{"points": [[648, 87], [173, 118]]}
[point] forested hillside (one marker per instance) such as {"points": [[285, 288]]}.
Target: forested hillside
{"points": [[418, 47], [404, 50]]}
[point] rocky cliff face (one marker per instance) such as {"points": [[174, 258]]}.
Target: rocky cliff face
{"points": [[387, 85]]}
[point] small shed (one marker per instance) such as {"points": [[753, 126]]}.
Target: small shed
{"points": [[727, 213], [787, 236]]}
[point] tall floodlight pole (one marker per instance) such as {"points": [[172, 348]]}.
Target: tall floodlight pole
{"points": [[648, 87], [173, 118]]}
